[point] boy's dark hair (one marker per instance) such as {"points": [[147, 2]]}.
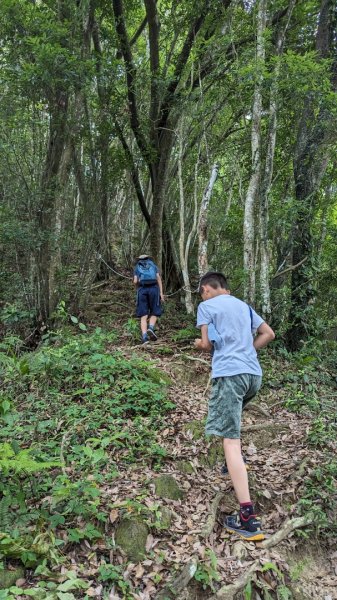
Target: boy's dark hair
{"points": [[215, 279]]}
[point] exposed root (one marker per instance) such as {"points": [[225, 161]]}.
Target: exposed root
{"points": [[195, 358], [289, 526], [178, 583], [265, 425], [228, 592], [210, 521], [258, 408]]}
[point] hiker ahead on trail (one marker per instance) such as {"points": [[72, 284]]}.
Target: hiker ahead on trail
{"points": [[149, 296], [228, 326]]}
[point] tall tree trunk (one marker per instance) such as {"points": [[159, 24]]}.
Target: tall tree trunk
{"points": [[314, 140], [253, 187], [104, 92], [202, 225], [268, 172], [159, 171], [56, 254], [183, 255], [58, 106]]}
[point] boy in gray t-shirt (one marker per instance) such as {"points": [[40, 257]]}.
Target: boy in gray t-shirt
{"points": [[236, 378]]}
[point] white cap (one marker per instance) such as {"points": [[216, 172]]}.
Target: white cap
{"points": [[142, 256]]}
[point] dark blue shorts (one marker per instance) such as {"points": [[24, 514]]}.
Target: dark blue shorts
{"points": [[148, 301]]}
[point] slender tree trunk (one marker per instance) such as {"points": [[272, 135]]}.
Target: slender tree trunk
{"points": [[102, 222], [56, 254], [49, 191], [202, 225], [268, 173], [182, 255], [253, 187]]}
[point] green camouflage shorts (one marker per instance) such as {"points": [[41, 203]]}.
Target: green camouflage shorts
{"points": [[229, 395]]}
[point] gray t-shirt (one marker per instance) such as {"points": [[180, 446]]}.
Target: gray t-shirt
{"points": [[235, 322]]}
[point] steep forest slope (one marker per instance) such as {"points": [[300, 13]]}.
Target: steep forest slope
{"points": [[109, 488]]}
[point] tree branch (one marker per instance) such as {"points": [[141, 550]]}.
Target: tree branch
{"points": [[130, 72], [292, 268], [134, 174], [154, 27], [181, 63]]}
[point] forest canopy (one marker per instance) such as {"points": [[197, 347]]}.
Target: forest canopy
{"points": [[201, 132]]}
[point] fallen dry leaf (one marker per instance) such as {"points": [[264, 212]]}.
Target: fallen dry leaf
{"points": [[113, 515]]}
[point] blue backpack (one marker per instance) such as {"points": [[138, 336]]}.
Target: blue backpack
{"points": [[147, 272]]}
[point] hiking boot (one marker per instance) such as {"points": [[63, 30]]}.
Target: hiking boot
{"points": [[248, 529], [151, 334], [224, 469], [145, 339]]}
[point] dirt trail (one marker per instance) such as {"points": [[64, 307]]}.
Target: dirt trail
{"points": [[274, 441]]}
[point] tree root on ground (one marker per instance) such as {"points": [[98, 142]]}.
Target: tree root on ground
{"points": [[258, 408], [228, 592], [265, 425], [195, 358], [289, 526], [210, 521], [177, 583]]}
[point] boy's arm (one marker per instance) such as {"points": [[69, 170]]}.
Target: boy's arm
{"points": [[203, 343], [264, 335], [160, 283], [135, 279]]}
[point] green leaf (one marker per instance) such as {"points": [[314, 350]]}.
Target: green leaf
{"points": [[73, 584], [74, 319]]}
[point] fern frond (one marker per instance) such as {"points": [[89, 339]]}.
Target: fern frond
{"points": [[22, 462]]}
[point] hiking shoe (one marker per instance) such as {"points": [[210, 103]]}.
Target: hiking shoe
{"points": [[151, 334], [145, 339], [248, 529], [224, 469]]}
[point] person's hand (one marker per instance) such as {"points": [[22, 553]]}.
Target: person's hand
{"points": [[198, 344], [162, 298]]}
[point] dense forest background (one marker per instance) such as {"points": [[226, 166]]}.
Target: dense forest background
{"points": [[203, 132]]}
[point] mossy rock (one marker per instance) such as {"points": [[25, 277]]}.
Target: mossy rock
{"points": [[164, 520], [167, 487], [196, 428], [184, 466], [158, 376], [9, 577], [266, 436], [189, 374], [131, 535], [215, 453]]}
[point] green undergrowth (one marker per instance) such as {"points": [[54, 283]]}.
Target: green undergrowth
{"points": [[308, 383], [72, 413]]}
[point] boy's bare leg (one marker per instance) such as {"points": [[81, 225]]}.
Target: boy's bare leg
{"points": [[237, 469], [143, 324], [153, 320]]}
